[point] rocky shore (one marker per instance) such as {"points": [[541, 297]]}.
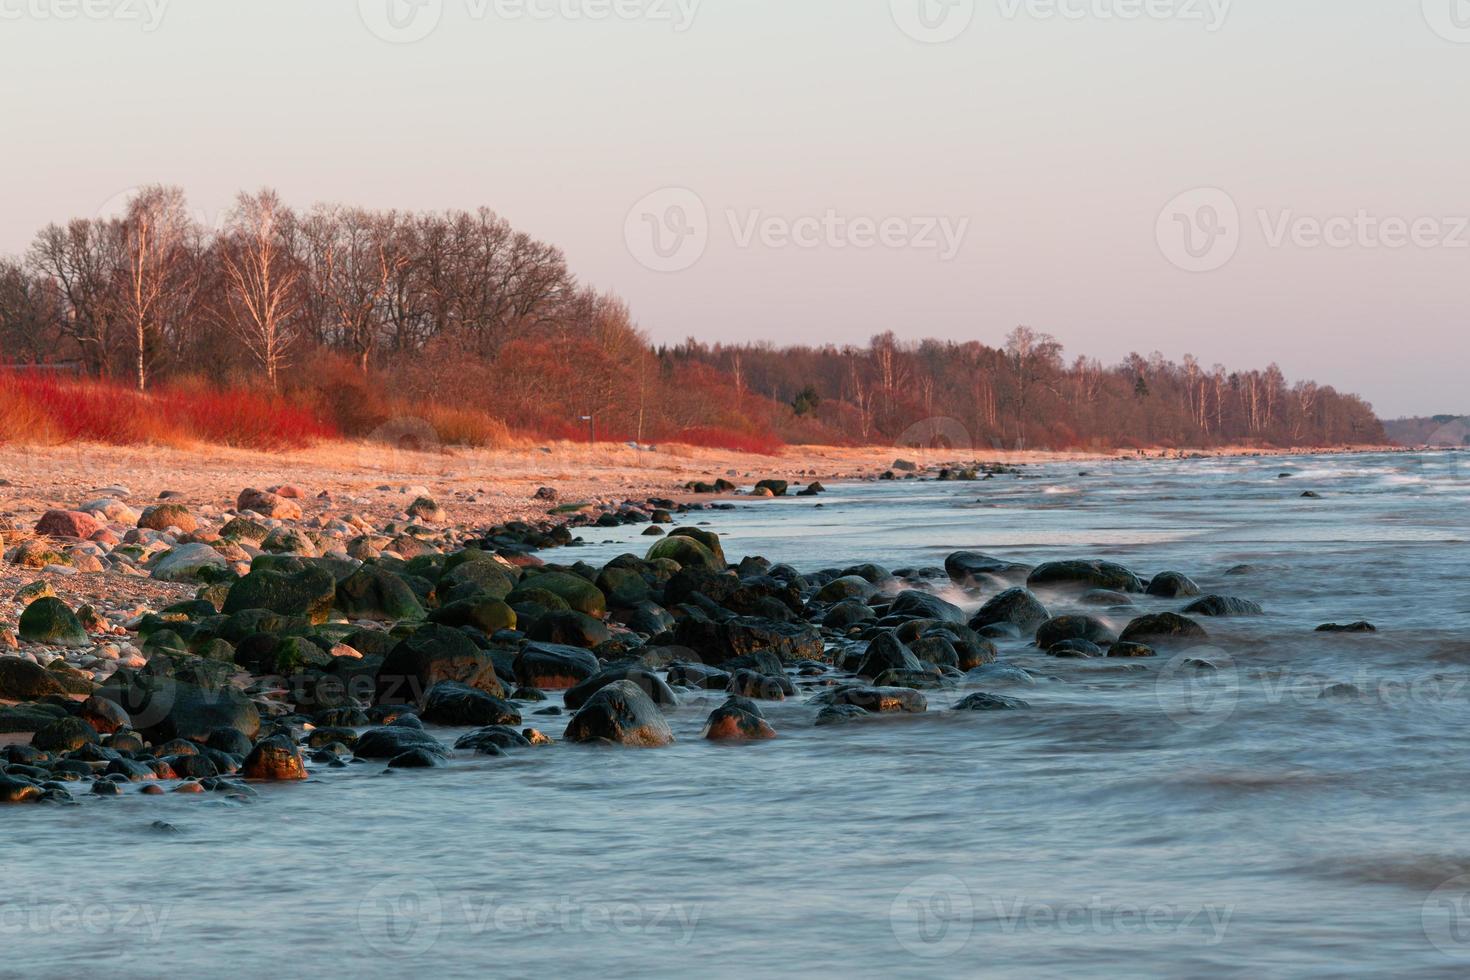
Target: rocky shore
{"points": [[291, 632]]}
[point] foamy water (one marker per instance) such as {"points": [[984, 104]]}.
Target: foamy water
{"points": [[1141, 819]]}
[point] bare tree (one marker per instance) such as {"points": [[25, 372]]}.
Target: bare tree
{"points": [[261, 274], [154, 235]]}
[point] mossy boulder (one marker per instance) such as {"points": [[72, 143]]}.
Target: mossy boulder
{"points": [[49, 621], [485, 613], [687, 551], [308, 593], [372, 593], [576, 591]]}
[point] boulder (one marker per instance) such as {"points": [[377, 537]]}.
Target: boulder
{"points": [[67, 524], [274, 759], [394, 740], [268, 504], [50, 622], [454, 704], [575, 591], [718, 642], [738, 720], [622, 714], [375, 593], [429, 656], [972, 568], [190, 563], [1085, 574], [308, 593], [1163, 627], [1054, 631], [646, 681], [886, 652], [881, 700], [1172, 585], [22, 680], [925, 605], [1015, 606], [552, 667], [1220, 605], [164, 708], [161, 517], [687, 551], [981, 701], [568, 627], [64, 735]]}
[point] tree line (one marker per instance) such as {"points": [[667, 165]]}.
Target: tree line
{"points": [[350, 310]]}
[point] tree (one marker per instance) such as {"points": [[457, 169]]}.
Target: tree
{"points": [[262, 275], [155, 277]]}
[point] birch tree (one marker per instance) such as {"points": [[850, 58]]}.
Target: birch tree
{"points": [[261, 275]]}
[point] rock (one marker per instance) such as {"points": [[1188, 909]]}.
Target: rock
{"points": [[777, 488], [760, 687], [161, 517], [840, 714], [548, 494], [913, 604], [394, 740], [374, 593], [164, 708], [718, 642], [709, 539], [288, 541], [981, 701], [575, 591], [191, 563], [972, 568], [650, 618], [620, 713], [49, 621], [1348, 628], [568, 627], [1088, 574], [1054, 631], [16, 790], [1016, 606], [103, 715], [848, 613], [275, 759], [1172, 585], [37, 553], [67, 524], [269, 505], [646, 681], [1219, 605], [1074, 649], [687, 551], [625, 588], [886, 652], [1163, 626], [485, 614], [65, 735], [418, 758], [22, 680], [552, 667], [457, 705], [698, 676], [308, 593], [1130, 651], [737, 720], [429, 656], [881, 700], [28, 594], [27, 717], [425, 509]]}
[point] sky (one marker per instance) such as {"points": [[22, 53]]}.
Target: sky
{"points": [[1245, 180]]}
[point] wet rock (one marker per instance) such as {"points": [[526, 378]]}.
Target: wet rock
{"points": [[418, 758], [103, 715], [374, 593], [717, 643], [1018, 607], [430, 655], [840, 714], [620, 713], [486, 614], [981, 701], [49, 621], [1172, 585], [1347, 628], [925, 605], [850, 612], [552, 667], [886, 652], [1163, 627], [496, 737], [1130, 651], [308, 593], [881, 700], [453, 704], [1054, 631], [738, 720], [16, 790], [699, 676], [64, 735], [275, 759], [168, 707], [22, 680], [570, 628], [575, 591], [392, 741], [972, 568], [1074, 649], [1219, 605], [646, 681], [1085, 574], [760, 687]]}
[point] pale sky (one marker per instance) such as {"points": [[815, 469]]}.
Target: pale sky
{"points": [[1049, 147]]}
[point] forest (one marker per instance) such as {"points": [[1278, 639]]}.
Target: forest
{"points": [[352, 319]]}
